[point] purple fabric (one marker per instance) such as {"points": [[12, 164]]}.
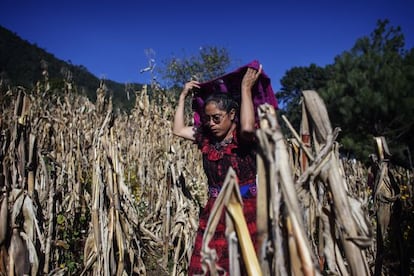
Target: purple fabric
{"points": [[231, 83]]}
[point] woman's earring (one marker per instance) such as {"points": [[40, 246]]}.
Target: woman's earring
{"points": [[232, 115]]}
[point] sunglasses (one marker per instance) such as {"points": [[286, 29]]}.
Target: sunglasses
{"points": [[217, 118]]}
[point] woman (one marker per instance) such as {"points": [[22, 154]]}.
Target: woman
{"points": [[225, 139]]}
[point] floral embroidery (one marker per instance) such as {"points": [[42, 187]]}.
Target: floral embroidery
{"points": [[214, 191], [216, 151], [253, 190], [246, 191], [217, 158]]}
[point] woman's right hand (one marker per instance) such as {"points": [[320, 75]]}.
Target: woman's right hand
{"points": [[179, 126], [188, 87]]}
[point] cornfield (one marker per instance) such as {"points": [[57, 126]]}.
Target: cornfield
{"points": [[89, 190]]}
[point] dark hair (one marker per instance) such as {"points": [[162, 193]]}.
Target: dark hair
{"points": [[224, 101]]}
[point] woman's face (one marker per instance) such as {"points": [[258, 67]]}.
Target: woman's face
{"points": [[219, 121]]}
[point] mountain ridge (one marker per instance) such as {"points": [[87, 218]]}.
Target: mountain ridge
{"points": [[22, 64]]}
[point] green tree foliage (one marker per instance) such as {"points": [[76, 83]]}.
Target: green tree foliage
{"points": [[210, 62], [371, 93], [293, 83]]}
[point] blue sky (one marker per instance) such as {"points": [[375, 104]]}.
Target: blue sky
{"points": [[110, 38]]}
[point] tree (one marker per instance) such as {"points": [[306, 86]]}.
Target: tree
{"points": [[211, 62], [371, 92], [293, 83]]}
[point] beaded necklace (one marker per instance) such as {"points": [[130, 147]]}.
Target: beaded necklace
{"points": [[223, 143]]}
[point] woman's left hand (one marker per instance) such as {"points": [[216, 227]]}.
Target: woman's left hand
{"points": [[250, 77]]}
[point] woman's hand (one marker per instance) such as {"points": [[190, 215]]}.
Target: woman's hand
{"points": [[250, 77], [188, 87], [247, 115]]}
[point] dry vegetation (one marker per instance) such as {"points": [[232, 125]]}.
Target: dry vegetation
{"points": [[86, 190]]}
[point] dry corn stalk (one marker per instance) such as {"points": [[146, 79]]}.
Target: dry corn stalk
{"points": [[280, 186], [72, 159], [385, 195], [55, 145], [313, 190], [350, 217]]}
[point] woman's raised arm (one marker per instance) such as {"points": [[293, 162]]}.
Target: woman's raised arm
{"points": [[179, 126], [247, 119]]}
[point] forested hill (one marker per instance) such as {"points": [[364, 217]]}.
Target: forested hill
{"points": [[22, 63]]}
